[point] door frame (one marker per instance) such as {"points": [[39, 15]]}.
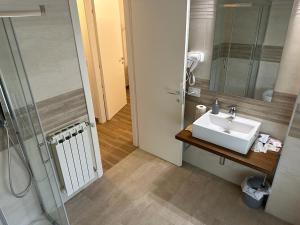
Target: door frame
{"points": [[131, 74], [84, 73], [74, 16], [90, 19]]}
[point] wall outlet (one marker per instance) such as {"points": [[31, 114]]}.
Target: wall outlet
{"points": [[194, 92]]}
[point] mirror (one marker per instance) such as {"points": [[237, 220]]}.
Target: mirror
{"points": [[249, 36]]}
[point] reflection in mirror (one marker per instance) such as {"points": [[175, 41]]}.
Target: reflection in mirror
{"points": [[248, 41]]}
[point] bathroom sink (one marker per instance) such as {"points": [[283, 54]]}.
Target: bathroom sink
{"points": [[236, 134]]}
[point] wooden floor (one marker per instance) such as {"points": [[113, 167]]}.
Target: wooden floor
{"points": [[115, 137], [145, 190]]}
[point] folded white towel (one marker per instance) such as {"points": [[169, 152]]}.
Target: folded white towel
{"points": [[258, 146], [264, 143]]}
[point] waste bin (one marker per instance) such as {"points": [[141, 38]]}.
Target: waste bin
{"points": [[255, 191]]}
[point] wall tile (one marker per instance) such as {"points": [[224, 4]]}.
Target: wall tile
{"points": [[231, 171], [288, 76], [289, 161], [62, 110], [48, 49], [201, 33], [284, 201], [278, 112], [278, 19], [295, 126]]}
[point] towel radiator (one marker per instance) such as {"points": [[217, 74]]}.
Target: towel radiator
{"points": [[72, 154]]}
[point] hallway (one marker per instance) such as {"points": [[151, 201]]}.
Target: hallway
{"points": [[115, 137]]}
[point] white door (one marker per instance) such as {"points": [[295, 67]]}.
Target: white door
{"points": [[158, 34], [107, 16]]}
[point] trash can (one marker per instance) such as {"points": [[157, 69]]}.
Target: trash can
{"points": [[255, 191]]}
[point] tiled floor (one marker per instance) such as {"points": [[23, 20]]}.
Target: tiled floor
{"points": [[116, 137], [145, 190]]}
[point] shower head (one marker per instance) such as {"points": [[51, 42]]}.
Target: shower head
{"points": [[236, 5]]}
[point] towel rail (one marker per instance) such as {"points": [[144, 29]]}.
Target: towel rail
{"points": [[23, 13]]}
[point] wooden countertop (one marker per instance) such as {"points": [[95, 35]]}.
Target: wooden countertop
{"points": [[263, 162]]}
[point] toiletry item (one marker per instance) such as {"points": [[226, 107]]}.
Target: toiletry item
{"points": [[215, 107], [265, 143], [263, 138], [258, 146], [275, 142], [200, 110], [271, 148]]}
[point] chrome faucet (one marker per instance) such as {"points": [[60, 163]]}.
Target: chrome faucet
{"points": [[232, 112]]}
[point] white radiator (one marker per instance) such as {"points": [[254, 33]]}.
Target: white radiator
{"points": [[72, 155]]}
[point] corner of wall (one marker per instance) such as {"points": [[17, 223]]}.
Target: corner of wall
{"points": [[284, 201]]}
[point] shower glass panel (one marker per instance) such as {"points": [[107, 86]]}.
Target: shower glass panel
{"points": [[42, 204], [239, 33]]}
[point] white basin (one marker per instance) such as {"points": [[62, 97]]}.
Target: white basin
{"points": [[237, 135]]}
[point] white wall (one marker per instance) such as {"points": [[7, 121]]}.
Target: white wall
{"points": [[201, 34], [279, 17], [288, 77], [48, 48], [230, 171], [284, 201]]}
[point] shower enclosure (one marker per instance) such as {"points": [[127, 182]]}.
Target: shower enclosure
{"points": [[240, 30], [42, 203]]}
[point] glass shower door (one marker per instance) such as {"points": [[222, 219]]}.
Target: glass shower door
{"points": [[241, 48], [239, 35], [42, 204]]}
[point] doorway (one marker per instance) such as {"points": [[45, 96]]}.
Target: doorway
{"points": [[103, 33]]}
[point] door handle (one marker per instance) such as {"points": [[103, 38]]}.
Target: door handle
{"points": [[176, 92], [173, 92]]}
